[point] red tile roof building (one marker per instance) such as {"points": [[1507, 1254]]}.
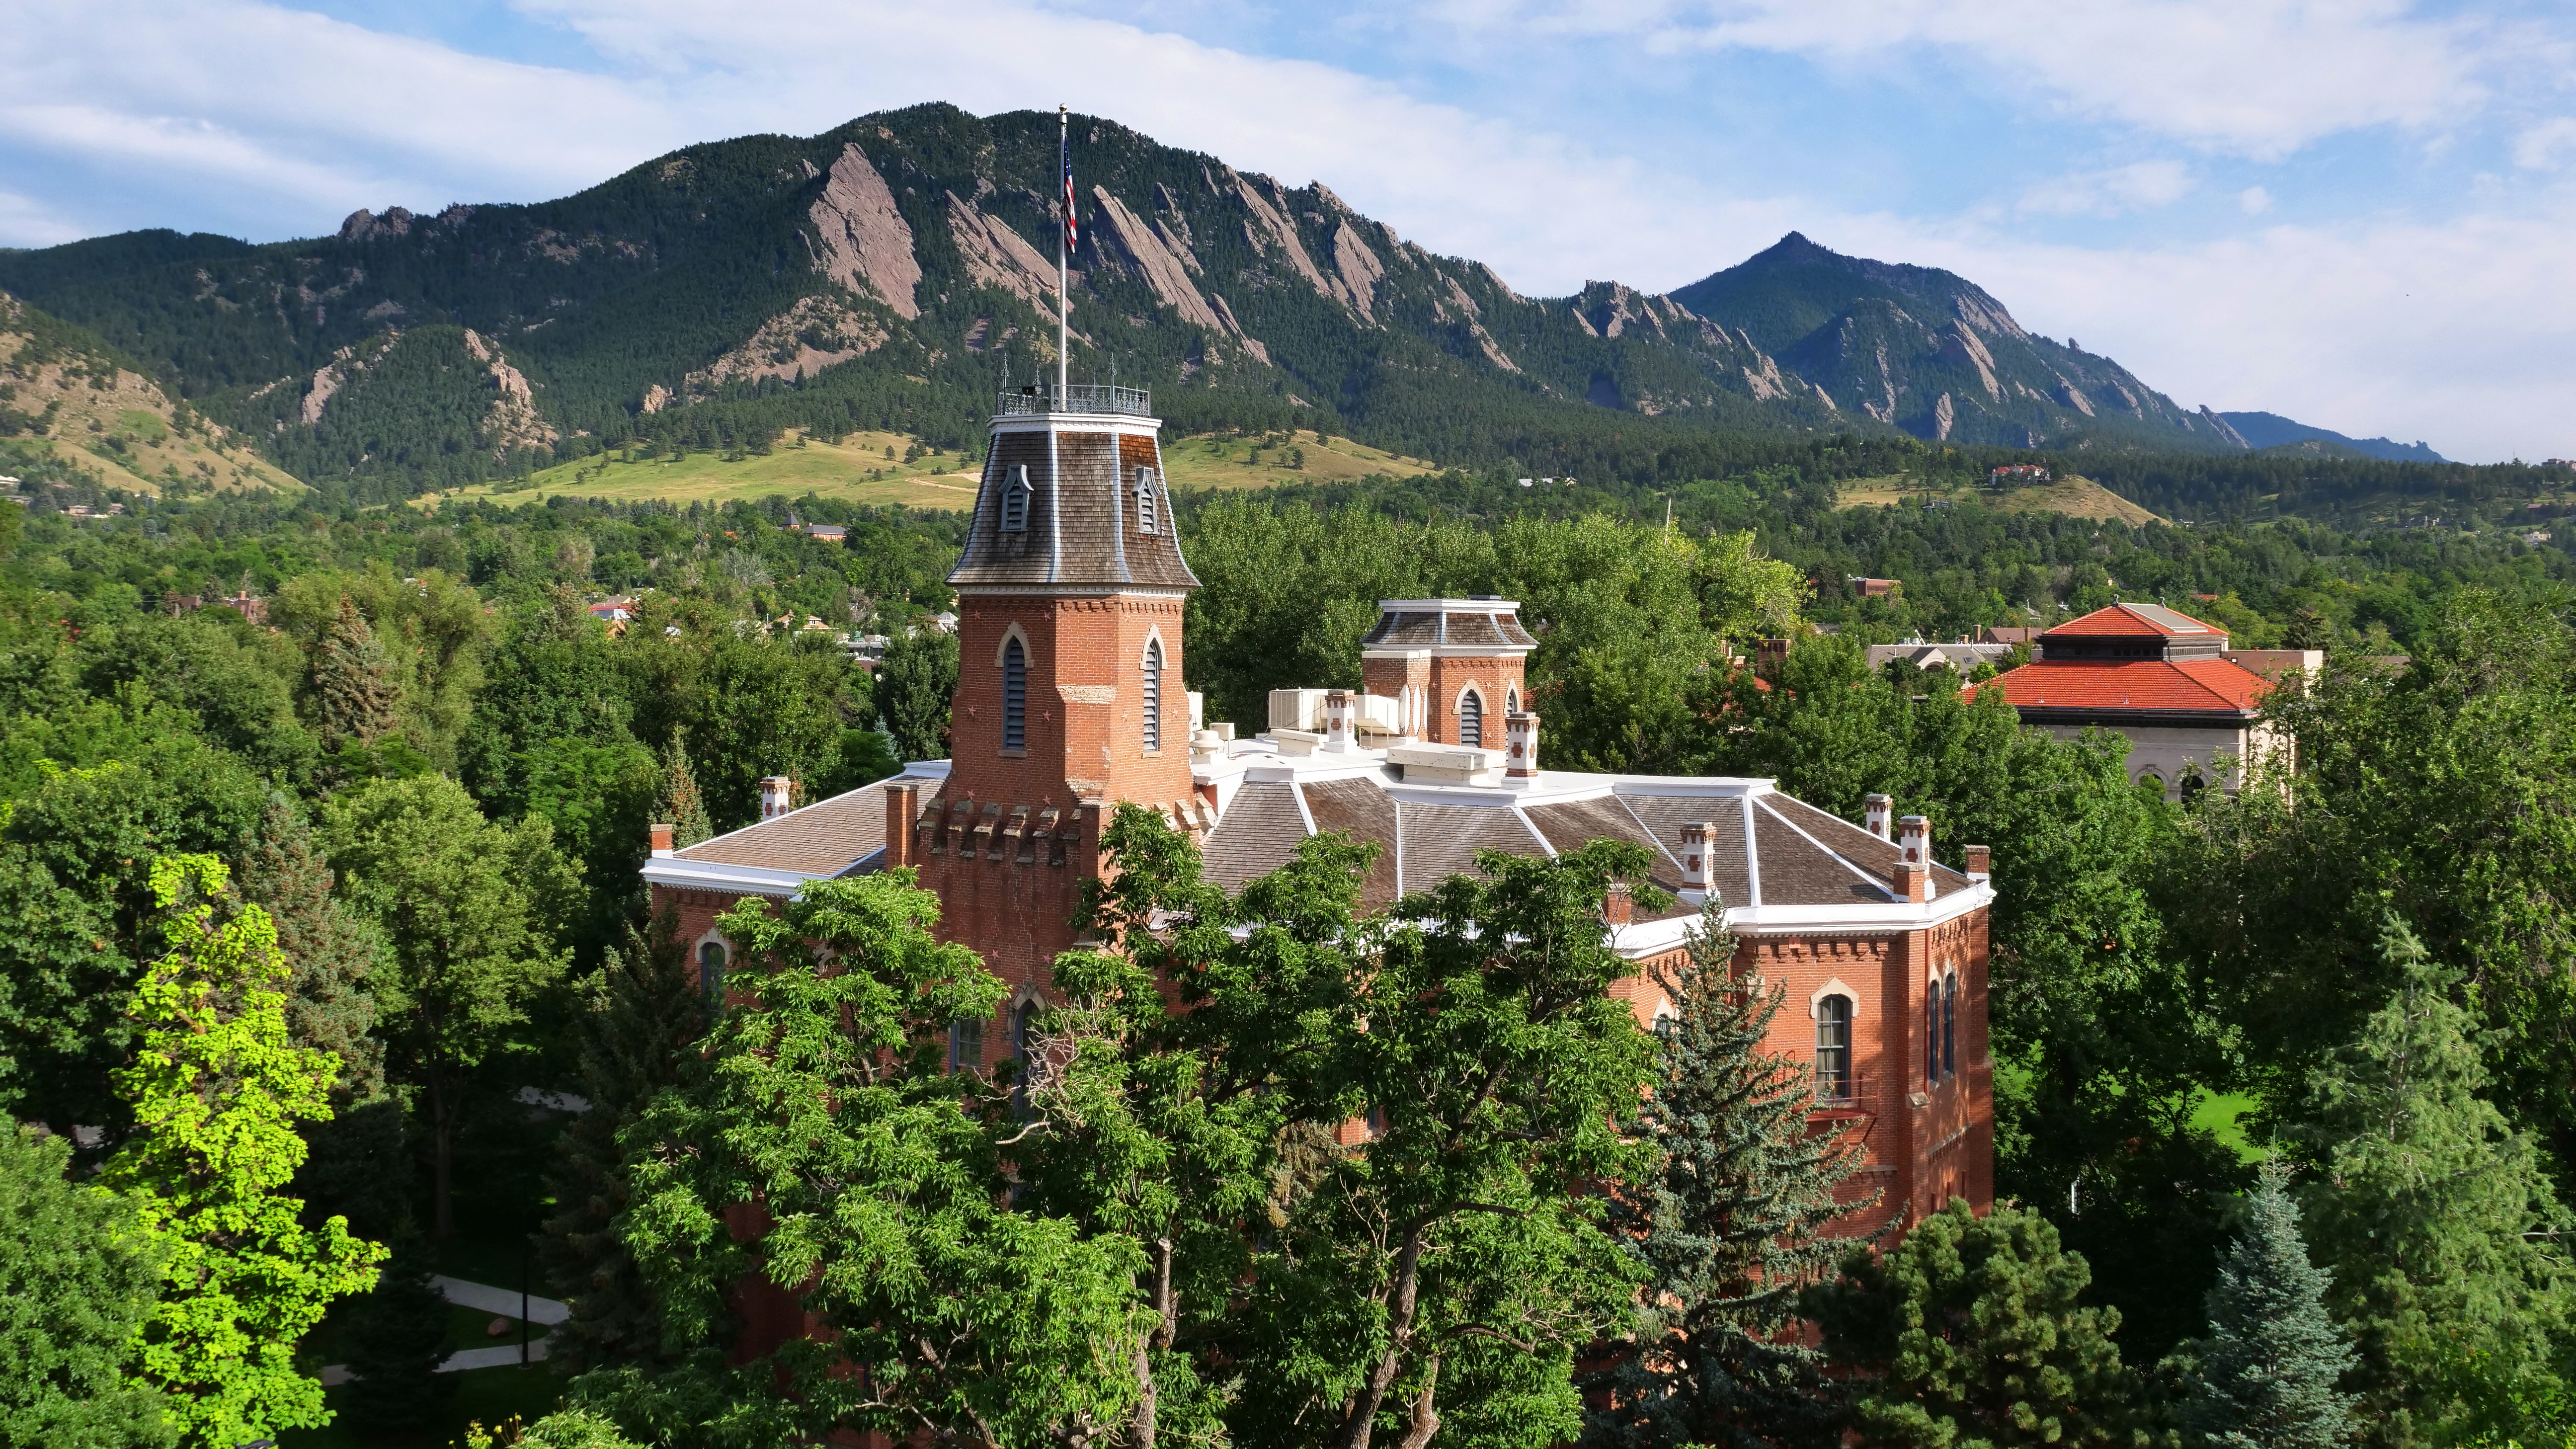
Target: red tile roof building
{"points": [[1069, 703], [2187, 703]]}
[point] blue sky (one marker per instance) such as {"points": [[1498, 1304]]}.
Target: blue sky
{"points": [[2354, 212]]}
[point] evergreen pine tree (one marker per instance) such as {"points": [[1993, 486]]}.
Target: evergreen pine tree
{"points": [[2266, 1373], [334, 950], [2434, 1217], [643, 1019], [679, 802], [1730, 1227], [396, 1337], [354, 695], [1973, 1332]]}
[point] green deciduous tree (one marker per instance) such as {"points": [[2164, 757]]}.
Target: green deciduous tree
{"points": [[2265, 1376], [2434, 1216], [1973, 1332], [78, 1276], [880, 1217], [914, 685], [1449, 1273], [1730, 1224], [465, 905], [217, 1088]]}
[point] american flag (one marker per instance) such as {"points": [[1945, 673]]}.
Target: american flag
{"points": [[1064, 150]]}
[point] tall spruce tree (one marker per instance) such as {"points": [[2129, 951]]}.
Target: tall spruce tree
{"points": [[679, 802], [2435, 1218], [643, 1015], [1730, 1226], [335, 950], [354, 692], [2267, 1371]]}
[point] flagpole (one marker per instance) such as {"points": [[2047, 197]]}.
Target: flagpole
{"points": [[1063, 267]]}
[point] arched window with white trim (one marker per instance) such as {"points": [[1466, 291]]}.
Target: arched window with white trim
{"points": [[1834, 1048], [1471, 717], [1148, 511], [1153, 694], [1932, 1032], [1015, 500], [1015, 695], [1511, 699], [711, 976]]}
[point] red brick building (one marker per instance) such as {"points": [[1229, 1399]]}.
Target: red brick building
{"points": [[1069, 702]]}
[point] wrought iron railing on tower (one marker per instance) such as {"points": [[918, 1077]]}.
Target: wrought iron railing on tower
{"points": [[1081, 397]]}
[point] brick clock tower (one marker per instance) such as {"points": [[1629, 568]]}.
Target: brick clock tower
{"points": [[1069, 694]]}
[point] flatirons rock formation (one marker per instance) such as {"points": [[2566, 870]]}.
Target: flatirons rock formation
{"points": [[905, 263]]}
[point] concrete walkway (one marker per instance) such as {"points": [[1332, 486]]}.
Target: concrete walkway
{"points": [[482, 1298]]}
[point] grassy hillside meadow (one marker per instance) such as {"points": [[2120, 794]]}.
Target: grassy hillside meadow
{"points": [[2076, 497]]}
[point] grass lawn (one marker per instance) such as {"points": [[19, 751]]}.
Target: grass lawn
{"points": [[2222, 1115], [2080, 497], [484, 1396], [869, 468]]}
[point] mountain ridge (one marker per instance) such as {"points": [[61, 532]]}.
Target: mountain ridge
{"points": [[890, 272]]}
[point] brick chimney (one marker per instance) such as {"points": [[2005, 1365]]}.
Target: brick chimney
{"points": [[1695, 856], [1520, 747], [1877, 811], [903, 808], [1619, 907], [1978, 856], [775, 791], [661, 836], [1914, 860]]}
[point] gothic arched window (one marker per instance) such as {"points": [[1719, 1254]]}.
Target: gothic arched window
{"points": [[1471, 718], [1153, 694], [1015, 500], [1833, 1048], [1950, 1023], [1015, 696], [1146, 511], [1932, 1032]]}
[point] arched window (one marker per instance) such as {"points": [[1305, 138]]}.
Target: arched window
{"points": [[1015, 696], [1833, 1048], [1153, 694], [1024, 1018], [711, 974], [1932, 1032], [1471, 718], [966, 1044], [1950, 1023], [1667, 1025], [1015, 500], [2192, 785], [2149, 779], [1511, 699], [1146, 512]]}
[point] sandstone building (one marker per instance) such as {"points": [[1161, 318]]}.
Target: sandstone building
{"points": [[1070, 702]]}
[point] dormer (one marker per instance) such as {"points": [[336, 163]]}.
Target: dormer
{"points": [[1016, 493], [1149, 505]]}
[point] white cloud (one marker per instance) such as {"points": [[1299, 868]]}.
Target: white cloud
{"points": [[2544, 146], [2254, 201], [2139, 186], [2249, 77]]}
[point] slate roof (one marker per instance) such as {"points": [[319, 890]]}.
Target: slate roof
{"points": [[2193, 685], [1083, 527], [1439, 623], [2153, 620], [839, 836], [1802, 856]]}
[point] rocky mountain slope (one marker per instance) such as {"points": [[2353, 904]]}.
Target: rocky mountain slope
{"points": [[74, 411], [891, 272]]}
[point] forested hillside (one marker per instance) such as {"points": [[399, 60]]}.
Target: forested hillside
{"points": [[890, 273]]}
